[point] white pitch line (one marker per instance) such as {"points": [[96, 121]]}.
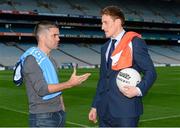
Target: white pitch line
{"points": [[160, 118], [10, 109], [82, 125], [19, 111]]}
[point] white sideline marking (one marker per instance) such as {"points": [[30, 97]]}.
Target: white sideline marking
{"points": [[82, 125], [160, 118], [19, 111]]}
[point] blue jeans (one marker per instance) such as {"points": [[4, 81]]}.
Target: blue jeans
{"points": [[51, 119]]}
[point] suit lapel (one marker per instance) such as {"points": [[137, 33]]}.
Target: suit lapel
{"points": [[104, 54]]}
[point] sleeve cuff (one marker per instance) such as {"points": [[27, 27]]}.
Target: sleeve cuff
{"points": [[139, 92]]}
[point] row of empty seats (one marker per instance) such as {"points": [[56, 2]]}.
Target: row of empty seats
{"points": [[68, 32], [9, 54], [152, 10], [84, 55]]}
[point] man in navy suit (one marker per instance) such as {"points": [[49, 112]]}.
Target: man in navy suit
{"points": [[120, 107]]}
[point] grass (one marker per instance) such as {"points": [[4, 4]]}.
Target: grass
{"points": [[161, 104]]}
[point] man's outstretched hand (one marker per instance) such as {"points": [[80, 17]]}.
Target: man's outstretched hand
{"points": [[77, 80], [72, 82]]}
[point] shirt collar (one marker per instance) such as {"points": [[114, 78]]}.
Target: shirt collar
{"points": [[119, 36]]}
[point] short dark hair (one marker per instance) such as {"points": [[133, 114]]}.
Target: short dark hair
{"points": [[44, 25], [115, 12]]}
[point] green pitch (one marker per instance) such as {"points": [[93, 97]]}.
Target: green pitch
{"points": [[161, 104]]}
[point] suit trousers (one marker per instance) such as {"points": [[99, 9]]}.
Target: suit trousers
{"points": [[108, 121]]}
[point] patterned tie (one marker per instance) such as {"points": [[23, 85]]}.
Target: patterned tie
{"points": [[109, 62]]}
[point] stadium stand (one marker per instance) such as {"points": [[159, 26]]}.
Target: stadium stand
{"points": [[164, 55], [9, 54], [150, 10], [80, 31]]}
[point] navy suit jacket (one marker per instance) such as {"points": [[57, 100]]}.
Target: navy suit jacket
{"points": [[108, 94]]}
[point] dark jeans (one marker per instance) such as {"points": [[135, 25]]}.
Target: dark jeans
{"points": [[51, 119]]}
